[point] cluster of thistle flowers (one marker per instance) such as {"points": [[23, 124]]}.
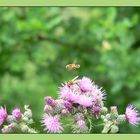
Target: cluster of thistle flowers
{"points": [[83, 101], [17, 122]]}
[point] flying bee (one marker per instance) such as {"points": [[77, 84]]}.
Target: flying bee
{"points": [[72, 66], [73, 81]]}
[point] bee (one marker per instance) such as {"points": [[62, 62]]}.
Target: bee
{"points": [[72, 66], [73, 81]]}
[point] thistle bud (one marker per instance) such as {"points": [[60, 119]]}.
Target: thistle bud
{"points": [[58, 105], [121, 118], [3, 115], [30, 121], [114, 112], [47, 108], [104, 110], [9, 128], [11, 118], [81, 124], [102, 117], [5, 129], [80, 127], [50, 101], [96, 111], [114, 129], [114, 109], [28, 112], [108, 116], [25, 119], [24, 128], [67, 105], [17, 113]]}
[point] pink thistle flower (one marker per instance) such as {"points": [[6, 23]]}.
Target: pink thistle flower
{"points": [[96, 111], [86, 84], [67, 93], [84, 100], [67, 105], [98, 94], [5, 130], [17, 113], [52, 124], [132, 115], [75, 88], [3, 115], [78, 116], [81, 124], [50, 101]]}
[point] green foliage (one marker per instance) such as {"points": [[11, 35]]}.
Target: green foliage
{"points": [[36, 44]]}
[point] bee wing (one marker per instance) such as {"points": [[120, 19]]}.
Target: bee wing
{"points": [[75, 78]]}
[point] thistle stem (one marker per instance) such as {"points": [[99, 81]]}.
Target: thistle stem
{"points": [[90, 123]]}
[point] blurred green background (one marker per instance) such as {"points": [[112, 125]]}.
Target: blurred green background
{"points": [[36, 43]]}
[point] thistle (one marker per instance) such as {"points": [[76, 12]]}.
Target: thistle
{"points": [[84, 102], [17, 122]]}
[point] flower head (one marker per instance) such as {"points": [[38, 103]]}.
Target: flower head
{"points": [[75, 88], [78, 116], [80, 127], [67, 93], [52, 124], [3, 115], [86, 84], [96, 111], [114, 109], [49, 100], [132, 115], [81, 124], [67, 105], [98, 94], [84, 100], [17, 113]]}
